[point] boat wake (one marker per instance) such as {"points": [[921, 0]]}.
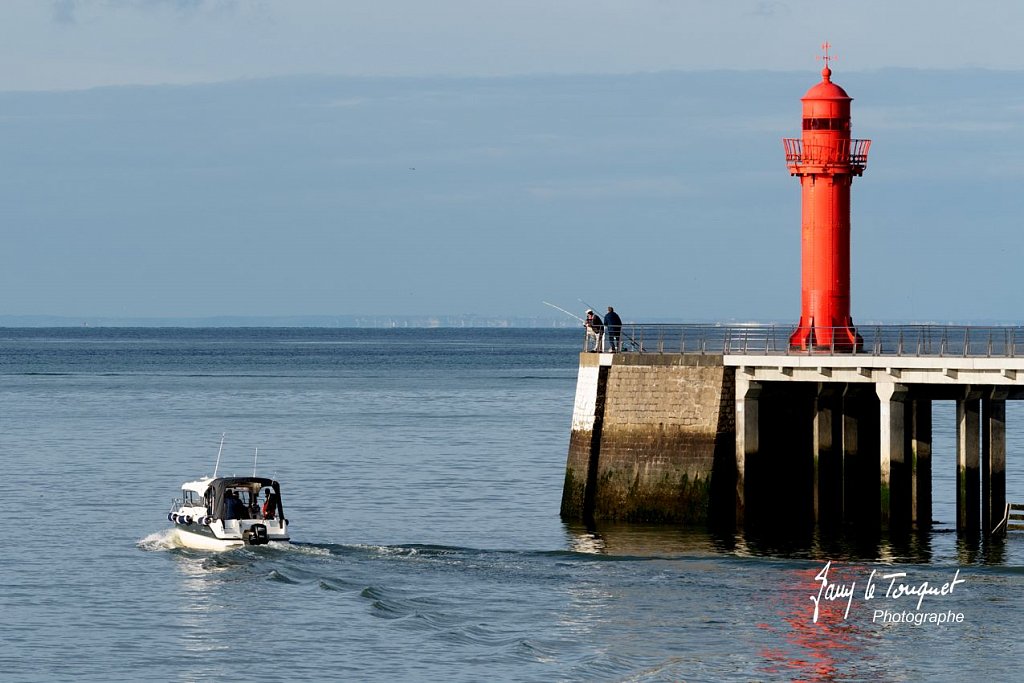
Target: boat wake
{"points": [[158, 541], [168, 540]]}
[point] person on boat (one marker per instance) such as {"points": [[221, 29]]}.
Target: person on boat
{"points": [[269, 502], [233, 508]]}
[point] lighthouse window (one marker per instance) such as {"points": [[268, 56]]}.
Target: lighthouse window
{"points": [[826, 124]]}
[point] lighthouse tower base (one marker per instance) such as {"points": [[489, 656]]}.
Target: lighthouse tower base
{"points": [[836, 338]]}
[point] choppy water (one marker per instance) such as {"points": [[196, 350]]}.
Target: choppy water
{"points": [[422, 472]]}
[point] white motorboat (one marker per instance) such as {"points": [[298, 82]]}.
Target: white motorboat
{"points": [[221, 513]]}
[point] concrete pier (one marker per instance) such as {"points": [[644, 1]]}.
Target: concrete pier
{"points": [[650, 434], [823, 438], [886, 447]]}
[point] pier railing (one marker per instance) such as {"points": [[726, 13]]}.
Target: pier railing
{"points": [[959, 341]]}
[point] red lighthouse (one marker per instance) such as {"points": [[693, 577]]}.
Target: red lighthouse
{"points": [[826, 159]]}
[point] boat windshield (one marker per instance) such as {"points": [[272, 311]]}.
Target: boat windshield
{"points": [[192, 499], [245, 496]]}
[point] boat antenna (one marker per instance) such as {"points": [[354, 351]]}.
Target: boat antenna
{"points": [[255, 458], [572, 315], [219, 451]]}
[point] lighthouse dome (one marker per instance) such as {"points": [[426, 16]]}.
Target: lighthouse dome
{"points": [[826, 89]]}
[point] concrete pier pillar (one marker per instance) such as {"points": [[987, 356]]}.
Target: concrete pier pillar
{"points": [[968, 462], [894, 476], [861, 469], [828, 453], [921, 462], [993, 461], [849, 448], [747, 437]]}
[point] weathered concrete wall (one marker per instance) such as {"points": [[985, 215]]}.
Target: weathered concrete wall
{"points": [[652, 438], [582, 443]]}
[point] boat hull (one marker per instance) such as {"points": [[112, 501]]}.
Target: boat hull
{"points": [[190, 539], [215, 537]]}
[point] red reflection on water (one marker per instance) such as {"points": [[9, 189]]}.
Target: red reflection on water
{"points": [[822, 650]]}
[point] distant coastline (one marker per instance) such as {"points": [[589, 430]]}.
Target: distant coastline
{"points": [[333, 321], [397, 321]]}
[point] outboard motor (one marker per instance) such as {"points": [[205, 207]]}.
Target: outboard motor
{"points": [[256, 535]]}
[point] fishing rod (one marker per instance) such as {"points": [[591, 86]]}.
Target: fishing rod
{"points": [[255, 459], [573, 315]]}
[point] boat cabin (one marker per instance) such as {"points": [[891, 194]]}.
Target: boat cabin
{"points": [[227, 498]]}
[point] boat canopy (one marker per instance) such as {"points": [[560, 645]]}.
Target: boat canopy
{"points": [[218, 488], [199, 487]]}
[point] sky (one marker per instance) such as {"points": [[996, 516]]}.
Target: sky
{"points": [[190, 158]]}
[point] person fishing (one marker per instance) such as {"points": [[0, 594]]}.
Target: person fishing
{"points": [[595, 331], [613, 328]]}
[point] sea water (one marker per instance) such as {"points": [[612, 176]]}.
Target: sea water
{"points": [[422, 473]]}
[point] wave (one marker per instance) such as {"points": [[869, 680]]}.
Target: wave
{"points": [[281, 577], [330, 566], [159, 541]]}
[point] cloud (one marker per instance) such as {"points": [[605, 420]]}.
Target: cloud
{"points": [[63, 11], [771, 9], [68, 11], [347, 102], [627, 188]]}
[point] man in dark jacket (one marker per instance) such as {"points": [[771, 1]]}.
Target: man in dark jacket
{"points": [[233, 507], [613, 328]]}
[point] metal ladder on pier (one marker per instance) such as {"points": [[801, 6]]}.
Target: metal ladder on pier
{"points": [[1013, 519]]}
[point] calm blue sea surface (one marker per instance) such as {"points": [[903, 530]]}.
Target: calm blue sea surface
{"points": [[422, 471]]}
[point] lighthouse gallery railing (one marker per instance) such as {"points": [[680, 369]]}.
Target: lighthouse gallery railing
{"points": [[960, 341], [853, 152]]}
